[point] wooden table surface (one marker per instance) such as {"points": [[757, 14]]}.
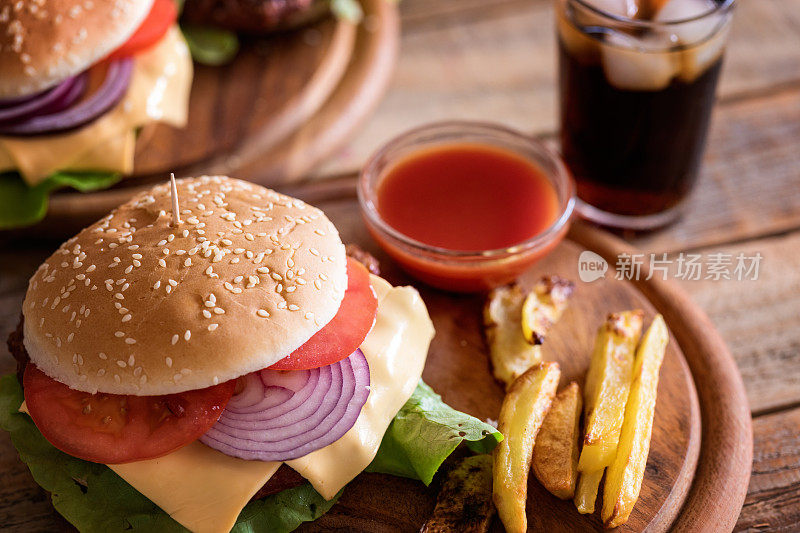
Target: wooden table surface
{"points": [[495, 60]]}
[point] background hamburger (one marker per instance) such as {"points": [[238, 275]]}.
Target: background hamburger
{"points": [[79, 81], [235, 354]]}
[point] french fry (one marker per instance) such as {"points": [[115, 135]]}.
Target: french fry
{"points": [[607, 385], [586, 491], [624, 476], [555, 454], [516, 323], [524, 409], [464, 503]]}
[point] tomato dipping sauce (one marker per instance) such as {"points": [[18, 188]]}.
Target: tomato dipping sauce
{"points": [[466, 206], [468, 197]]}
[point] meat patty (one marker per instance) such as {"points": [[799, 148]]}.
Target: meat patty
{"points": [[252, 16], [17, 348]]}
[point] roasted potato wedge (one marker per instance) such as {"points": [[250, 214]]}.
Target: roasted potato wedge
{"points": [[555, 454], [607, 386], [516, 323], [464, 502], [624, 476], [521, 415], [543, 306], [586, 491]]}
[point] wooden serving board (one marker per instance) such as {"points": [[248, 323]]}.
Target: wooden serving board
{"points": [[283, 105], [679, 492], [674, 494]]}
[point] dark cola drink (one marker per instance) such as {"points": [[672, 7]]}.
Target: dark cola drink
{"points": [[637, 85]]}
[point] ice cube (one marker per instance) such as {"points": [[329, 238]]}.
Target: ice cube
{"points": [[696, 31], [696, 59], [618, 8], [672, 10], [638, 63]]}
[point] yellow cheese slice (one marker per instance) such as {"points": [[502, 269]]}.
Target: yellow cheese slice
{"points": [[201, 488], [205, 490], [159, 91], [396, 350]]}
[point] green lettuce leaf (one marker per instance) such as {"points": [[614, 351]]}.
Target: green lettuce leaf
{"points": [[22, 205], [93, 498], [210, 46], [425, 432]]}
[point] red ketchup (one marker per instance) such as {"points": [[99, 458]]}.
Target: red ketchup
{"points": [[466, 198]]}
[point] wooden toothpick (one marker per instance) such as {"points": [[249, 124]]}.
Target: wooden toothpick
{"points": [[176, 217]]}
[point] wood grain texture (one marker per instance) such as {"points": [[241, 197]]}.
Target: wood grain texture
{"points": [[268, 91], [773, 500], [759, 319], [750, 182], [495, 60]]}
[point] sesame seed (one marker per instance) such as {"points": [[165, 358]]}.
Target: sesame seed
{"points": [[119, 296], [162, 263], [293, 307], [188, 262], [173, 282], [219, 311], [168, 362], [157, 284], [212, 327], [127, 317], [187, 335], [175, 339], [121, 363], [129, 340], [70, 337]]}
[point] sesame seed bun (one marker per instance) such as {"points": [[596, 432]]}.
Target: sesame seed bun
{"points": [[43, 42], [134, 305]]}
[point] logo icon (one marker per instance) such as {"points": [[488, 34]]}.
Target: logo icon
{"points": [[591, 266]]}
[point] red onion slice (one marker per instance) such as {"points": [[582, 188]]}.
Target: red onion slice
{"points": [[59, 97], [107, 95], [283, 415]]}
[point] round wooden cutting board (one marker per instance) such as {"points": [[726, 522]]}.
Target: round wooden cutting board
{"points": [[458, 368], [276, 111]]}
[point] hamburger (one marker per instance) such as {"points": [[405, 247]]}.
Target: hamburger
{"points": [[79, 81], [219, 365]]}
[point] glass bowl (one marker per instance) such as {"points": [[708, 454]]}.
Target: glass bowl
{"points": [[460, 270]]}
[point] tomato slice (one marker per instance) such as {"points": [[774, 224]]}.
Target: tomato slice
{"points": [[162, 15], [113, 428], [345, 332]]}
